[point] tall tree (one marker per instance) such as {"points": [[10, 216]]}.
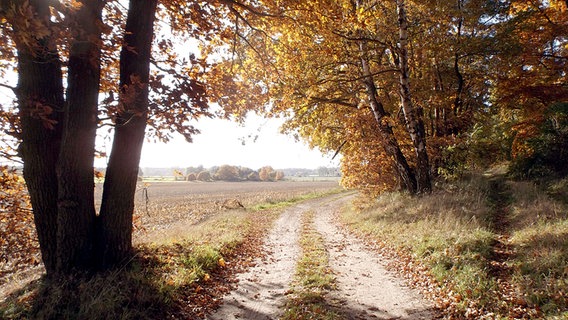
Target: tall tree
{"points": [[412, 115], [57, 127], [41, 100], [310, 57], [122, 171], [75, 204]]}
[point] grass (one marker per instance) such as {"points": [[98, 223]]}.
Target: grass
{"points": [[276, 202], [453, 233], [149, 287], [540, 235], [313, 279], [179, 276]]}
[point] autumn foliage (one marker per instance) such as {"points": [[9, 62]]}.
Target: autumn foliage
{"points": [[18, 239], [481, 75]]}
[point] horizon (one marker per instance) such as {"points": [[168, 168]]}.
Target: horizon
{"points": [[255, 143]]}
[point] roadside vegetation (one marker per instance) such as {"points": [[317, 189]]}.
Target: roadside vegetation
{"points": [[314, 278], [173, 277], [485, 246], [181, 274]]}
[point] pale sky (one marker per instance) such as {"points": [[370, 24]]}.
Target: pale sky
{"points": [[221, 142]]}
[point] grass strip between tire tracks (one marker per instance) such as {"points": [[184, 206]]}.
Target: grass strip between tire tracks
{"points": [[313, 279]]}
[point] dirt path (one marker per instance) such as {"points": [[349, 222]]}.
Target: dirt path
{"points": [[261, 291], [365, 289]]}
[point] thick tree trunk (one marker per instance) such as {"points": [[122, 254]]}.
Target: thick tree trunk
{"points": [[122, 172], [40, 98], [76, 219], [390, 144], [414, 122]]}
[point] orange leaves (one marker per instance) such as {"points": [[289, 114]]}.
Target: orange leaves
{"points": [[18, 240], [26, 24], [42, 112]]}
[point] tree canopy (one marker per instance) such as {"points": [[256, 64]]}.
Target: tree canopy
{"points": [[336, 70], [404, 90]]}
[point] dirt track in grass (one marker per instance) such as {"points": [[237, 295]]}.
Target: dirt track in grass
{"points": [[365, 290]]}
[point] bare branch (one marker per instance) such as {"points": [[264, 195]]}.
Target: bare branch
{"points": [[338, 150], [9, 87]]}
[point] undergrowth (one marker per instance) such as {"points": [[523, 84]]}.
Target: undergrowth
{"points": [[453, 233]]}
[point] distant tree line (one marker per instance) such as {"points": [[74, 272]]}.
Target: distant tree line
{"points": [[217, 173], [238, 173], [232, 173]]}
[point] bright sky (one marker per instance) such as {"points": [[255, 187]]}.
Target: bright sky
{"points": [[221, 142]]}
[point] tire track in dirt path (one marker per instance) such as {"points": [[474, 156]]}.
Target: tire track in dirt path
{"points": [[366, 290], [261, 292]]}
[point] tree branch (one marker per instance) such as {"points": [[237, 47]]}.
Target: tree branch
{"points": [[9, 87], [248, 8], [338, 150]]}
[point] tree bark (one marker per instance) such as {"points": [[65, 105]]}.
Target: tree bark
{"points": [[76, 216], [413, 118], [40, 108], [122, 172], [390, 144]]}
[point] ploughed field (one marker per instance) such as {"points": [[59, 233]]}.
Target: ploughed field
{"points": [[163, 205]]}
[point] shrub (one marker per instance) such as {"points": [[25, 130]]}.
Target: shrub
{"points": [[253, 176], [18, 239], [204, 176], [544, 151]]}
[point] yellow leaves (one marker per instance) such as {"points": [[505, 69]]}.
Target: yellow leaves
{"points": [[221, 262], [74, 4], [559, 5], [519, 6]]}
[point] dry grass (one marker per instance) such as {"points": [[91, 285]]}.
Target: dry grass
{"points": [[159, 278], [540, 235], [313, 278], [453, 232]]}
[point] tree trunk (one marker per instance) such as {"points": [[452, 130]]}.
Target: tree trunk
{"points": [[390, 144], [40, 99], [122, 172], [413, 118], [76, 217]]}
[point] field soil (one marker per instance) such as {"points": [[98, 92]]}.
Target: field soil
{"points": [[365, 290], [164, 209]]}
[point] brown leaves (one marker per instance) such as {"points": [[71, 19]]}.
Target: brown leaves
{"points": [[18, 239]]}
